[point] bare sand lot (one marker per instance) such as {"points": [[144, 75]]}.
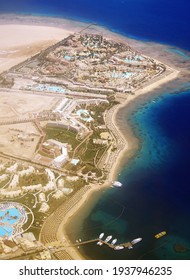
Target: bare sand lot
{"points": [[19, 42], [20, 106], [19, 139]]}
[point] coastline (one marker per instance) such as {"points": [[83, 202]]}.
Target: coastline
{"points": [[129, 146]]}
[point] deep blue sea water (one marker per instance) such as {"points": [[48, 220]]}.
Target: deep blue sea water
{"points": [[156, 181], [158, 20]]}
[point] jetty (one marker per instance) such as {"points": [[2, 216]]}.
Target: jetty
{"points": [[59, 246]]}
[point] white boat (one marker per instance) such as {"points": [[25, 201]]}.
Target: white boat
{"points": [[108, 238], [99, 243], [116, 184], [130, 247], [135, 241], [114, 241], [101, 235], [119, 247]]}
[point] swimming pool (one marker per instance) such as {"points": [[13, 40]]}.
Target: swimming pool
{"points": [[122, 75], [67, 57], [56, 89], [12, 217], [84, 115]]}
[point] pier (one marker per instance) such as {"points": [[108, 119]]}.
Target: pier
{"points": [[88, 26], [60, 246], [126, 245]]}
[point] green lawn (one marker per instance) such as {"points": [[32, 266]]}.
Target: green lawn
{"points": [[33, 179], [62, 135]]}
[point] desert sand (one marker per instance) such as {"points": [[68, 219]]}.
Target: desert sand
{"points": [[23, 41]]}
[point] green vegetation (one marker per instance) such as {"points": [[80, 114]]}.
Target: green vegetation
{"points": [[100, 153], [75, 185], [62, 135], [90, 151], [3, 183], [27, 200], [33, 179], [2, 172], [89, 155], [90, 168]]}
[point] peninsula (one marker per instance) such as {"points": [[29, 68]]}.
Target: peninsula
{"points": [[61, 88]]}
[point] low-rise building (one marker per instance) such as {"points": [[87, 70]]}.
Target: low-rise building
{"points": [[61, 183], [27, 245], [67, 191], [58, 194], [10, 194], [105, 136], [42, 197], [12, 168], [49, 187], [100, 142], [3, 177], [50, 174], [44, 207], [72, 178], [32, 188], [29, 236], [14, 182], [27, 171], [62, 159]]}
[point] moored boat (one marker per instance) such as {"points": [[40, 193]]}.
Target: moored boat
{"points": [[161, 234], [119, 247], [117, 184], [108, 238], [101, 235], [114, 241], [135, 241]]}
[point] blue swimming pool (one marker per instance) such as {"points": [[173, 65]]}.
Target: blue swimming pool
{"points": [[8, 218]]}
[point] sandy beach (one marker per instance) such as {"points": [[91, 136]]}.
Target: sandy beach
{"points": [[18, 46]]}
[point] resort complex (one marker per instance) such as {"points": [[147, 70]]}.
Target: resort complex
{"points": [[58, 136]]}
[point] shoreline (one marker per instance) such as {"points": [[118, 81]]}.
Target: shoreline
{"points": [[130, 145]]}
